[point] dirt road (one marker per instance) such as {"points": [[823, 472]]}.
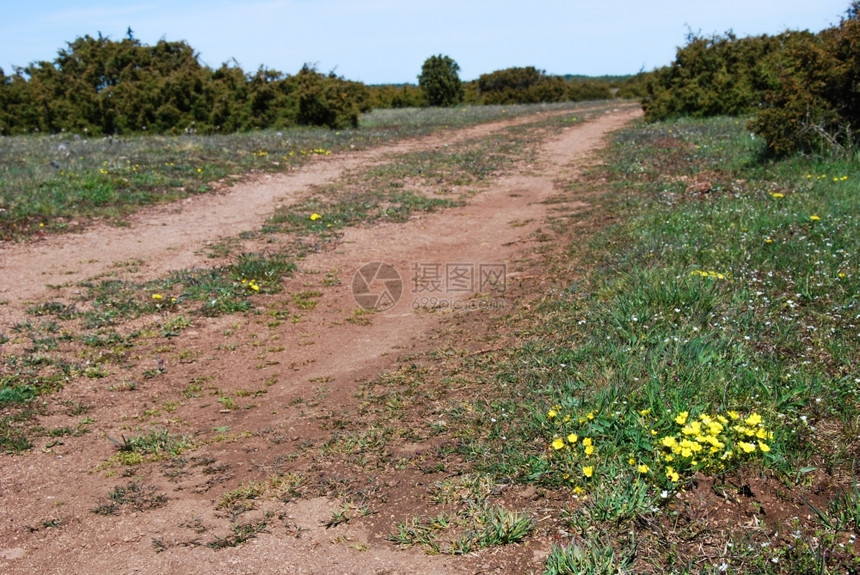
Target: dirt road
{"points": [[287, 381]]}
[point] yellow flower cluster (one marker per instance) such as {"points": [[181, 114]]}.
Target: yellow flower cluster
{"points": [[251, 284], [313, 152], [571, 445], [824, 177], [710, 274], [709, 442]]}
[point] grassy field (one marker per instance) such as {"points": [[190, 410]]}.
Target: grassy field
{"points": [[713, 338]]}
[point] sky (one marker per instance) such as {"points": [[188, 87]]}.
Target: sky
{"points": [[386, 41]]}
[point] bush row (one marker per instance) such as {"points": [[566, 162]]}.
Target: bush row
{"points": [[101, 86], [799, 87]]}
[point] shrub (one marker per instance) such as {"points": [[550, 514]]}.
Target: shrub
{"points": [[521, 86], [814, 105], [329, 100], [440, 81]]}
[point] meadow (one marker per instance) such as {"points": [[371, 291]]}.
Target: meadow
{"points": [[712, 342]]}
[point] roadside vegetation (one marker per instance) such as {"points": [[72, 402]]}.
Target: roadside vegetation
{"points": [[696, 389]]}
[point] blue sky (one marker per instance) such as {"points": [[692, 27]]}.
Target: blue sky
{"points": [[386, 41]]}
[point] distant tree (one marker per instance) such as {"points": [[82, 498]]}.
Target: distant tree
{"points": [[440, 81]]}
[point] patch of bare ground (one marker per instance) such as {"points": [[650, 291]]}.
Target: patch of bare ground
{"points": [[305, 431]]}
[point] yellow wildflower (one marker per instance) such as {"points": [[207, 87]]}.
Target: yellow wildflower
{"points": [[814, 218], [643, 468], [746, 447], [668, 442], [558, 443], [588, 470], [550, 414], [672, 475], [682, 418], [572, 438], [157, 296], [763, 446], [753, 419], [315, 217]]}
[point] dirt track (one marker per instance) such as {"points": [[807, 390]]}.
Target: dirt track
{"points": [[46, 519]]}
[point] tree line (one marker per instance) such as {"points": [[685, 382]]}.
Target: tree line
{"points": [[101, 86], [799, 88]]}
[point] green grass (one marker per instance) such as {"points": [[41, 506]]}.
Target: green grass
{"points": [[156, 444], [733, 309], [133, 495]]}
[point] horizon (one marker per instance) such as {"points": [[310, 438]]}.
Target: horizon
{"points": [[385, 42]]}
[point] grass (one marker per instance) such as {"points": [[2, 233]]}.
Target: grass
{"points": [[133, 495], [152, 446], [726, 320], [473, 528], [409, 183]]}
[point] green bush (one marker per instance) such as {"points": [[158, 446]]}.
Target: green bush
{"points": [[521, 86], [396, 96], [717, 75], [329, 101], [814, 106], [440, 81], [588, 90], [799, 87], [100, 86]]}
